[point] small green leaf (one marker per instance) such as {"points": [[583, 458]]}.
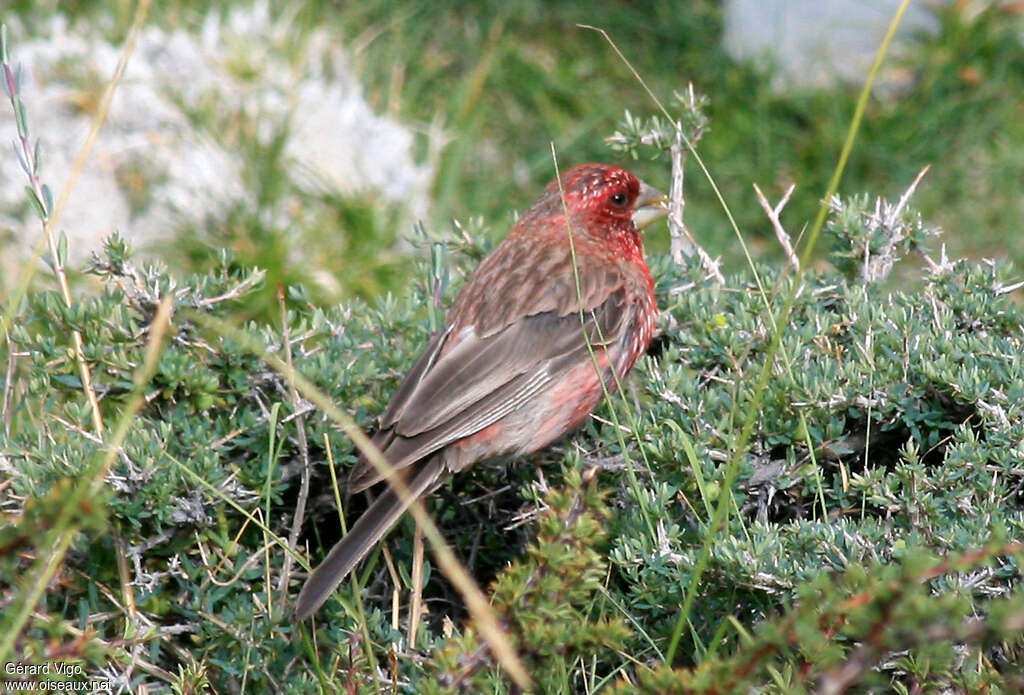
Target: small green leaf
{"points": [[21, 159], [62, 248], [21, 118], [47, 200], [39, 205], [69, 380]]}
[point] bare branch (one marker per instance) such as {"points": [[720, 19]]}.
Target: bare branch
{"points": [[680, 243], [780, 232], [300, 427]]}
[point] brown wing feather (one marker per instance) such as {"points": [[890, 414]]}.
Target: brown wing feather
{"points": [[412, 380], [481, 380], [477, 367], [522, 278], [506, 332]]}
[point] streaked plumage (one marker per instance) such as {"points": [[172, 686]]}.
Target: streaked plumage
{"points": [[511, 371]]}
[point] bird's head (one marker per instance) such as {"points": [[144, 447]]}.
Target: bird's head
{"points": [[603, 194]]}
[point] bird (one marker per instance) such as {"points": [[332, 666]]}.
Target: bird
{"points": [[552, 319]]}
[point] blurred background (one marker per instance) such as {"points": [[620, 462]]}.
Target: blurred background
{"points": [[310, 136]]}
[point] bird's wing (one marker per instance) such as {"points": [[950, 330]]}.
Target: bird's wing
{"points": [[520, 307], [465, 382], [524, 353]]}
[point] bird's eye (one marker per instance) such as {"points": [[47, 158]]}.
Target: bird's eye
{"points": [[618, 200]]}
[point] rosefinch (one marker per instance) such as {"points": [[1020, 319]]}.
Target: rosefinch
{"points": [[511, 372]]}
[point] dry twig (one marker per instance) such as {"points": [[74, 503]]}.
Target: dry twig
{"points": [[780, 232]]}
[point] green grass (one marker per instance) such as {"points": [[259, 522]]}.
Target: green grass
{"points": [[506, 79]]}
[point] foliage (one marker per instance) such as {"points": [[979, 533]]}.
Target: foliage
{"points": [[544, 602], [490, 85], [910, 454], [872, 544]]}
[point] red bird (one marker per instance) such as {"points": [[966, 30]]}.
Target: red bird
{"points": [[511, 371]]}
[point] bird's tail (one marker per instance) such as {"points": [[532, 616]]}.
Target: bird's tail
{"points": [[375, 522]]}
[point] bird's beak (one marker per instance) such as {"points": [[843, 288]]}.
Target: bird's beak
{"points": [[651, 206]]}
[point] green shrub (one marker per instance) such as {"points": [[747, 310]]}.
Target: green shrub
{"points": [[911, 453], [869, 541]]}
